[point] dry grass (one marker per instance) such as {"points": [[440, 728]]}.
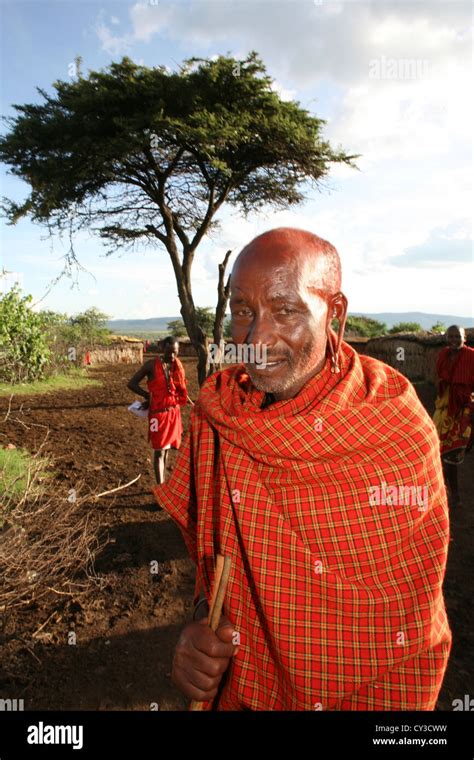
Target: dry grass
{"points": [[48, 541]]}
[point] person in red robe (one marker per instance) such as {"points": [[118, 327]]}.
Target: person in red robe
{"points": [[167, 392], [317, 472], [454, 412]]}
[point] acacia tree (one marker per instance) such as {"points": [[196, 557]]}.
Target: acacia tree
{"points": [[147, 156]]}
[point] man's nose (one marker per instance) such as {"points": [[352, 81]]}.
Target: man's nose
{"points": [[262, 330]]}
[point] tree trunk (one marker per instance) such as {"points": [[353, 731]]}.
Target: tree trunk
{"points": [[223, 292], [197, 336], [204, 366]]}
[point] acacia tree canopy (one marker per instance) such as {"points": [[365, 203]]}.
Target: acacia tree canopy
{"points": [[147, 156]]}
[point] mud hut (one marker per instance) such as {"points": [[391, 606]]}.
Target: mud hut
{"points": [[413, 354], [122, 349]]}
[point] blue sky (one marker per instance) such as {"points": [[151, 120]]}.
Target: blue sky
{"points": [[390, 78]]}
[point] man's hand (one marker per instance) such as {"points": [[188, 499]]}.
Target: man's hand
{"points": [[201, 658]]}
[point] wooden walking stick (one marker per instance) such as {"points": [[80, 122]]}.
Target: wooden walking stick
{"points": [[221, 577]]}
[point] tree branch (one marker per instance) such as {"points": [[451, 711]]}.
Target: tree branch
{"points": [[223, 292], [205, 223], [173, 164], [180, 233], [162, 238]]}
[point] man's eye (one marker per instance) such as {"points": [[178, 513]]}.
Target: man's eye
{"points": [[242, 313], [285, 310]]}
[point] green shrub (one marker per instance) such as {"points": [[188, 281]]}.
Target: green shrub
{"points": [[24, 351], [364, 327], [405, 327]]}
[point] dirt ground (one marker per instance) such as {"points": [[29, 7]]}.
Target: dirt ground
{"points": [[126, 630]]}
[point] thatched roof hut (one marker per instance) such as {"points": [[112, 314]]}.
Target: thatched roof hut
{"points": [[122, 349], [413, 354]]}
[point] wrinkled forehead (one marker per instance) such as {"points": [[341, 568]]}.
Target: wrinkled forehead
{"points": [[290, 270]]}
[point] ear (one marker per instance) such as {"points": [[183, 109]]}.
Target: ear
{"points": [[337, 309]]}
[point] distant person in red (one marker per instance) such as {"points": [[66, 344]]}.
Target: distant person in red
{"points": [[454, 413], [167, 391]]}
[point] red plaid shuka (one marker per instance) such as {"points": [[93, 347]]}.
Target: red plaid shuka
{"points": [[336, 580], [454, 415], [166, 396], [456, 373]]}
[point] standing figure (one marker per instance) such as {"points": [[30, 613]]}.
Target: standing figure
{"points": [[166, 382], [454, 406], [306, 469]]}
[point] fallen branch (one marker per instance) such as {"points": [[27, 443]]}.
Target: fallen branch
{"points": [[119, 488], [38, 630], [9, 408]]}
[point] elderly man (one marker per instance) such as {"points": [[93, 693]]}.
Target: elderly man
{"points": [[454, 405], [318, 473]]}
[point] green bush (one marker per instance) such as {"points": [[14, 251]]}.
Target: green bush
{"points": [[24, 351], [70, 337], [405, 327], [364, 327], [35, 346]]}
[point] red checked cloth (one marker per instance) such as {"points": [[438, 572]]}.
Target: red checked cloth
{"points": [[338, 603]]}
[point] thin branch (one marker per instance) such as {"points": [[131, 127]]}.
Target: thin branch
{"points": [[173, 164], [119, 488], [151, 228]]}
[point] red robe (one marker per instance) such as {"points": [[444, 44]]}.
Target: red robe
{"points": [[337, 569], [458, 375], [165, 428], [454, 405]]}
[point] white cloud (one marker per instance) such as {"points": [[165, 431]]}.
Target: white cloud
{"points": [[307, 42], [148, 20], [283, 92], [115, 45], [406, 120]]}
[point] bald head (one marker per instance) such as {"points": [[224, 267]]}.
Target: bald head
{"points": [[317, 259], [285, 291]]}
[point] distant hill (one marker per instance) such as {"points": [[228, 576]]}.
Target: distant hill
{"points": [[154, 324], [144, 327], [425, 320]]}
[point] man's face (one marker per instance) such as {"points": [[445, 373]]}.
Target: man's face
{"points": [[271, 304], [455, 338], [171, 351]]}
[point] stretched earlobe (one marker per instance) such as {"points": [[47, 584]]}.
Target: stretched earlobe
{"points": [[335, 340], [332, 343]]}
